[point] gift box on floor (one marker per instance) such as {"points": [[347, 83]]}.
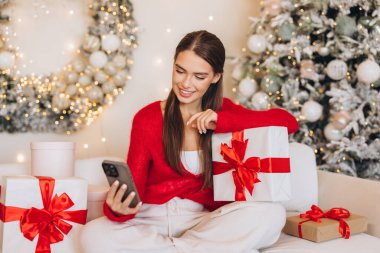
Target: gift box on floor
{"points": [[317, 226], [251, 165], [40, 214]]}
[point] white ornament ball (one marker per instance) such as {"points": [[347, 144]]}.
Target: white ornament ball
{"points": [[71, 90], [323, 51], [59, 86], [272, 7], [84, 80], [336, 69], [312, 111], [260, 100], [368, 71], [257, 43], [108, 87], [120, 78], [331, 133], [101, 77], [341, 119], [247, 87], [89, 70], [98, 59], [95, 94], [120, 61], [78, 65], [71, 77], [238, 72], [61, 101], [110, 42], [7, 60], [110, 68], [91, 43]]}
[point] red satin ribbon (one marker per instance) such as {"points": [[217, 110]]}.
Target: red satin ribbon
{"points": [[245, 173], [315, 214], [47, 222]]}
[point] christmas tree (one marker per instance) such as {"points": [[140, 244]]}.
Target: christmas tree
{"points": [[319, 60]]}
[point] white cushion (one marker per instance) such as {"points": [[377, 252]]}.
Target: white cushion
{"points": [[91, 170], [303, 178], [362, 243]]}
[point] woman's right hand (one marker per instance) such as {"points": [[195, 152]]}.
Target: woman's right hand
{"points": [[114, 200]]}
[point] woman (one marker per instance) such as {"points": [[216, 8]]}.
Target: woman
{"points": [[170, 159]]}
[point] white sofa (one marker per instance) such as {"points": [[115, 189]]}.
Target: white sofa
{"points": [[309, 186]]}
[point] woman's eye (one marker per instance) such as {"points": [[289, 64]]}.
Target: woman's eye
{"points": [[200, 78], [179, 71]]}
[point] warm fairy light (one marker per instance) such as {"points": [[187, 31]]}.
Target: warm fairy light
{"points": [[168, 30], [20, 158], [211, 18], [103, 139], [85, 146]]}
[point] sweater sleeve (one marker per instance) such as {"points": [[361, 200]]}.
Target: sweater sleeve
{"points": [[138, 161], [235, 117]]}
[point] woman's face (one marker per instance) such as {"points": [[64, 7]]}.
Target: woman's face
{"points": [[191, 77]]}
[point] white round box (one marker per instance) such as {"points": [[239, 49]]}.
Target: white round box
{"points": [[53, 159]]}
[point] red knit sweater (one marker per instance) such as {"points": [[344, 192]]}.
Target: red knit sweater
{"points": [[156, 181]]}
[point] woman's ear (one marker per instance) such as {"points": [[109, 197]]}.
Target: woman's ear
{"points": [[216, 77]]}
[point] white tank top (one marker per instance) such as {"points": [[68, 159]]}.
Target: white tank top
{"points": [[191, 161]]}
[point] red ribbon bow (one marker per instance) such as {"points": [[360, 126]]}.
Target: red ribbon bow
{"points": [[245, 173], [315, 214], [47, 222]]}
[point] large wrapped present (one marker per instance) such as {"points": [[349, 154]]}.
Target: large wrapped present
{"points": [[317, 226], [42, 215], [251, 165]]}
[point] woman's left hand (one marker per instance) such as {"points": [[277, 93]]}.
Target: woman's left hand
{"points": [[203, 120]]}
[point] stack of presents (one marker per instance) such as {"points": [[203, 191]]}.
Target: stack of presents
{"points": [[44, 212]]}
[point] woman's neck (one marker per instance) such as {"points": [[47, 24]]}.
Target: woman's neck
{"points": [[190, 109]]}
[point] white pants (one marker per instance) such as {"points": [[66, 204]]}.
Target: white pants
{"points": [[184, 226]]}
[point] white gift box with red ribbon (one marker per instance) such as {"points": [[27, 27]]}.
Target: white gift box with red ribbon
{"points": [[40, 214], [251, 165]]}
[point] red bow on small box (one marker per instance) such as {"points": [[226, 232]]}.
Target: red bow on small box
{"points": [[47, 222], [316, 213], [245, 173]]}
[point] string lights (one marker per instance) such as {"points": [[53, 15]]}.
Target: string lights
{"points": [[76, 95]]}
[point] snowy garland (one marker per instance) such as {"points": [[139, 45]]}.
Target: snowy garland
{"points": [[67, 101]]}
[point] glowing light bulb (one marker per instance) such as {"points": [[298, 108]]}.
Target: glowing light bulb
{"points": [[20, 158]]}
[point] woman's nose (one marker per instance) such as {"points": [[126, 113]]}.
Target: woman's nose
{"points": [[186, 82]]}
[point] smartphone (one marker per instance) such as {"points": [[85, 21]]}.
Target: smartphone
{"points": [[120, 171]]}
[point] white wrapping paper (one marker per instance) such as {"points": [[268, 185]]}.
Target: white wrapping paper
{"points": [[24, 192], [263, 142]]}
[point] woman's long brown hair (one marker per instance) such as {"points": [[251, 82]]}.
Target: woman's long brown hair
{"points": [[207, 46]]}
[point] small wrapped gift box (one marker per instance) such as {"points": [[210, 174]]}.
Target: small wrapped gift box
{"points": [[317, 226], [251, 165], [41, 214]]}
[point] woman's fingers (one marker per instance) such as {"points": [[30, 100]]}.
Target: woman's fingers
{"points": [[136, 208], [203, 121], [120, 193], [111, 193], [128, 200]]}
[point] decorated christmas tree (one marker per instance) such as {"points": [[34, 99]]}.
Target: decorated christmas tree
{"points": [[319, 60]]}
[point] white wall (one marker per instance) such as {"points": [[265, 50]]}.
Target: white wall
{"points": [[161, 25]]}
